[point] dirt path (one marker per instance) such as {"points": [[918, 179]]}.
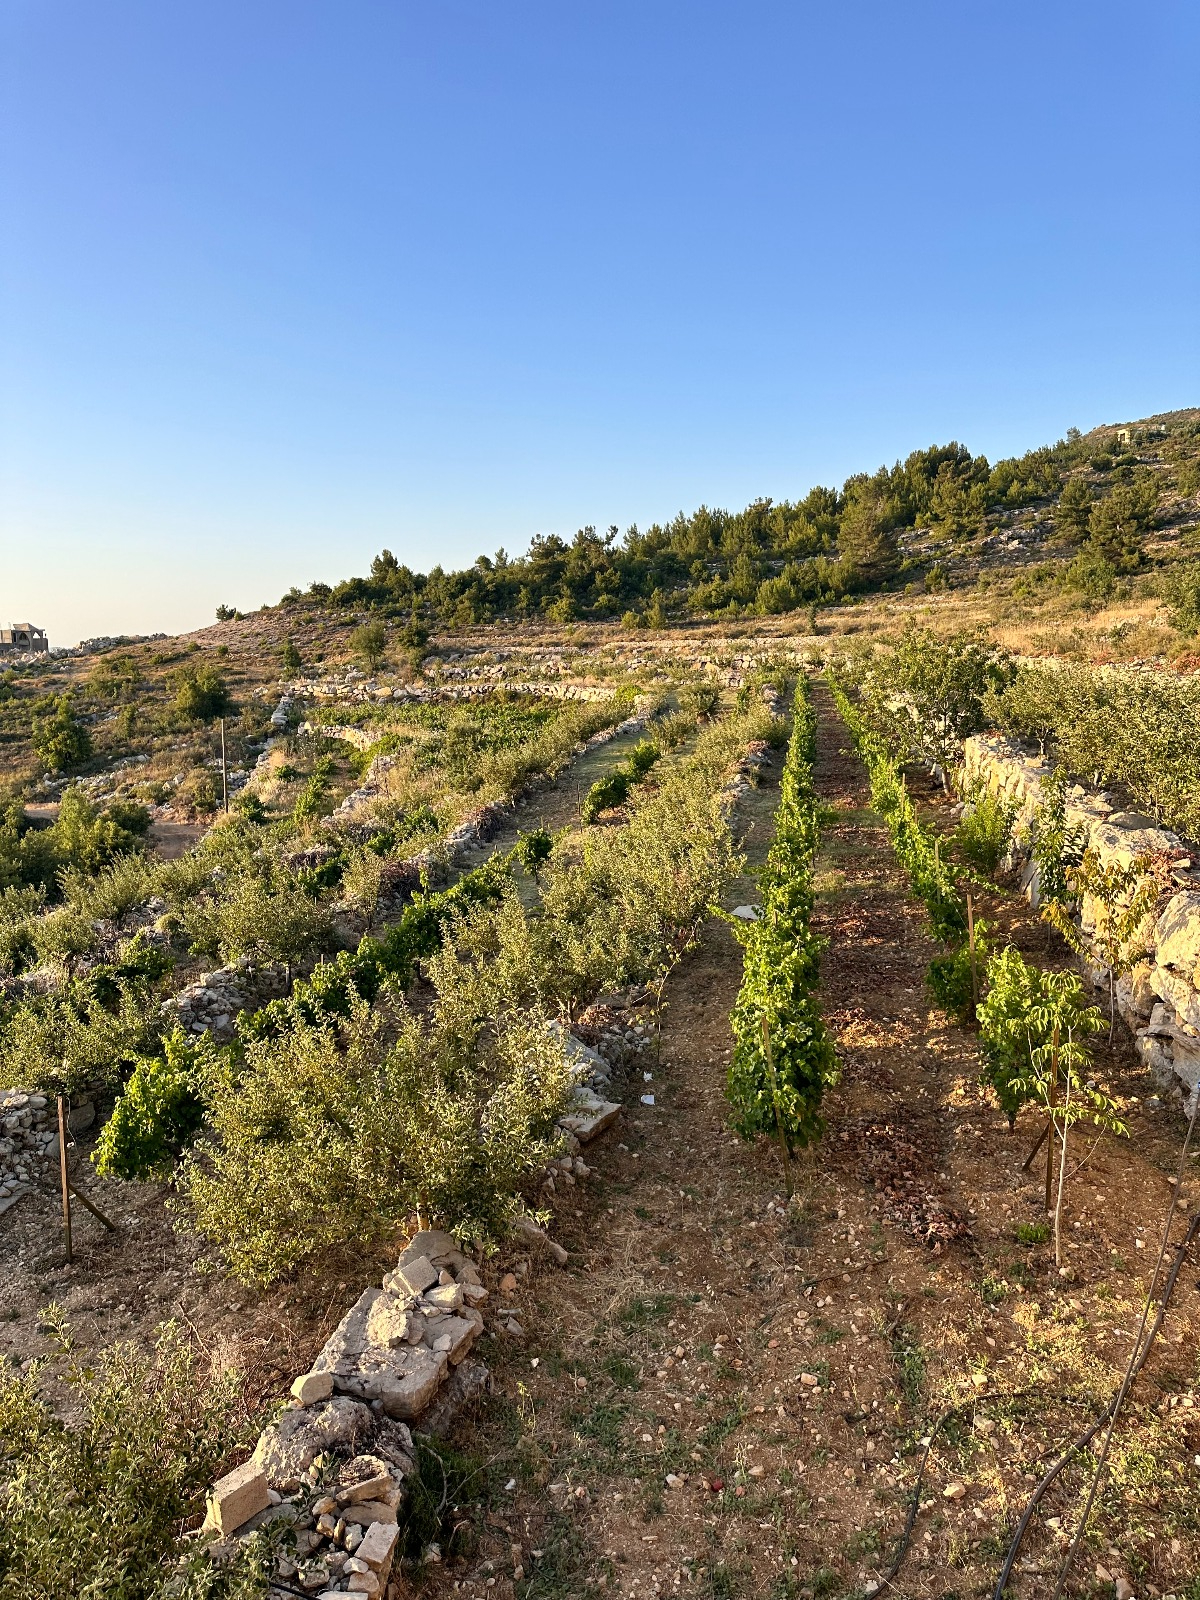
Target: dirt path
{"points": [[721, 1397], [557, 804]]}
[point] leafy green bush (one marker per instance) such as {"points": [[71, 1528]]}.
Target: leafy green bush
{"points": [[983, 834], [702, 698], [1181, 589], [60, 740], [605, 795], [952, 980], [783, 1059], [333, 1135], [613, 790], [18, 944], [112, 891], [160, 1110], [98, 1506], [641, 758], [201, 694], [676, 729], [941, 685], [71, 1039], [266, 914]]}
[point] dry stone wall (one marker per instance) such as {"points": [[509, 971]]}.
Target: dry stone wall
{"points": [[1160, 998]]}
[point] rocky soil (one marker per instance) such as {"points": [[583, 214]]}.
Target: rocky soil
{"points": [[722, 1394]]}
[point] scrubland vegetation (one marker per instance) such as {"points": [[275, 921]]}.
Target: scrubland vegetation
{"points": [[830, 1103]]}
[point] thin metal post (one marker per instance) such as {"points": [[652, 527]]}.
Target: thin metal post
{"points": [[224, 771], [62, 1172], [1053, 1124]]}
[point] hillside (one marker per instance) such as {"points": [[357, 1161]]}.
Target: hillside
{"points": [[620, 1109]]}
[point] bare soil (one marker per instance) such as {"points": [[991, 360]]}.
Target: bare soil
{"points": [[657, 1430], [697, 1306]]}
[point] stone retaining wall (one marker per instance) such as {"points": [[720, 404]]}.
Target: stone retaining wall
{"points": [[1160, 998]]}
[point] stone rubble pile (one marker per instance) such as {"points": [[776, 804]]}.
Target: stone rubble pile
{"points": [[212, 1003], [1160, 998], [333, 1467], [29, 1139]]}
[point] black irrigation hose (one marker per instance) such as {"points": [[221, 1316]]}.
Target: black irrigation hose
{"points": [[1085, 1438], [974, 1403]]}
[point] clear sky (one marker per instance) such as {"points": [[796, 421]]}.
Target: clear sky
{"points": [[283, 282]]}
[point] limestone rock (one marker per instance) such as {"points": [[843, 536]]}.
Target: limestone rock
{"points": [[444, 1297], [411, 1278], [369, 1512], [403, 1380], [378, 1549], [588, 1115], [237, 1497], [365, 1478], [288, 1447], [389, 1322], [1177, 938], [312, 1387], [438, 1248]]}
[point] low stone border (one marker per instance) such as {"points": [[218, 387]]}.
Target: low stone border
{"points": [[1160, 998]]}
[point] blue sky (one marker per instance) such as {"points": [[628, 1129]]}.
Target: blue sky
{"points": [[283, 282]]}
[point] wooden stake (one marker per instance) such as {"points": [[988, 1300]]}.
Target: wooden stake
{"points": [[785, 1155], [1040, 1142], [62, 1172], [95, 1210]]}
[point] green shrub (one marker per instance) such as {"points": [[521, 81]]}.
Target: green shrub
{"points": [[70, 1039], [983, 834], [676, 729], [641, 758], [126, 882], [201, 694], [97, 1507], [702, 699], [605, 795], [951, 982], [332, 1136], [160, 1110], [783, 1058], [18, 910], [60, 740], [266, 915], [611, 791]]}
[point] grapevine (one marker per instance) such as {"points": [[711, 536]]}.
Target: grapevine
{"points": [[783, 1058]]}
